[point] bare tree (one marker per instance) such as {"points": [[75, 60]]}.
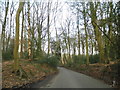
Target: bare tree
{"points": [[4, 25]]}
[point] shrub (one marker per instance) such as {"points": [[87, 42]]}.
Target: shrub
{"points": [[69, 63], [25, 55], [76, 59], [83, 59], [94, 58], [50, 60], [7, 55], [79, 59]]}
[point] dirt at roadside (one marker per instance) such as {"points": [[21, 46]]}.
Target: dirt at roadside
{"points": [[34, 72]]}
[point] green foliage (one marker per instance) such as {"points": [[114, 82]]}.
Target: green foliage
{"points": [[76, 61], [83, 59], [39, 54], [69, 63], [94, 58], [79, 59], [25, 55], [50, 60], [44, 70], [7, 55]]}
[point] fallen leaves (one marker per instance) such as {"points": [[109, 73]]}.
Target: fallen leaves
{"points": [[10, 80]]}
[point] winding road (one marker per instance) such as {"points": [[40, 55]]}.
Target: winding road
{"points": [[70, 79]]}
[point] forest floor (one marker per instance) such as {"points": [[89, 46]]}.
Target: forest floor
{"points": [[31, 73], [109, 73]]}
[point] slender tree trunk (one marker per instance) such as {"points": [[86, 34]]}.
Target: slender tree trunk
{"points": [[0, 62], [110, 26], [16, 44], [33, 37], [69, 41], [40, 39], [74, 48], [21, 51], [66, 45], [29, 33], [8, 40], [92, 47], [86, 33], [83, 50], [25, 46], [98, 34], [3, 27], [78, 36], [0, 49], [48, 21], [86, 40]]}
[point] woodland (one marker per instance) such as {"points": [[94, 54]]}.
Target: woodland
{"points": [[39, 36]]}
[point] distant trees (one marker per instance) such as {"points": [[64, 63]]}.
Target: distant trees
{"points": [[89, 30], [99, 27], [4, 26]]}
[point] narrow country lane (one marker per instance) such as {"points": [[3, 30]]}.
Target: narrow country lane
{"points": [[70, 79]]}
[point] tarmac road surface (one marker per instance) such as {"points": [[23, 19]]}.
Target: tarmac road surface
{"points": [[70, 79]]}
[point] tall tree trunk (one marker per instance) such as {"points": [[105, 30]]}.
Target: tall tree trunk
{"points": [[98, 34], [16, 44], [92, 46], [0, 62], [69, 40], [3, 27], [48, 21], [21, 51], [33, 37], [82, 42], [78, 34], [29, 33], [86, 33], [86, 40], [110, 26], [40, 39], [9, 36], [74, 48], [8, 40], [0, 49]]}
